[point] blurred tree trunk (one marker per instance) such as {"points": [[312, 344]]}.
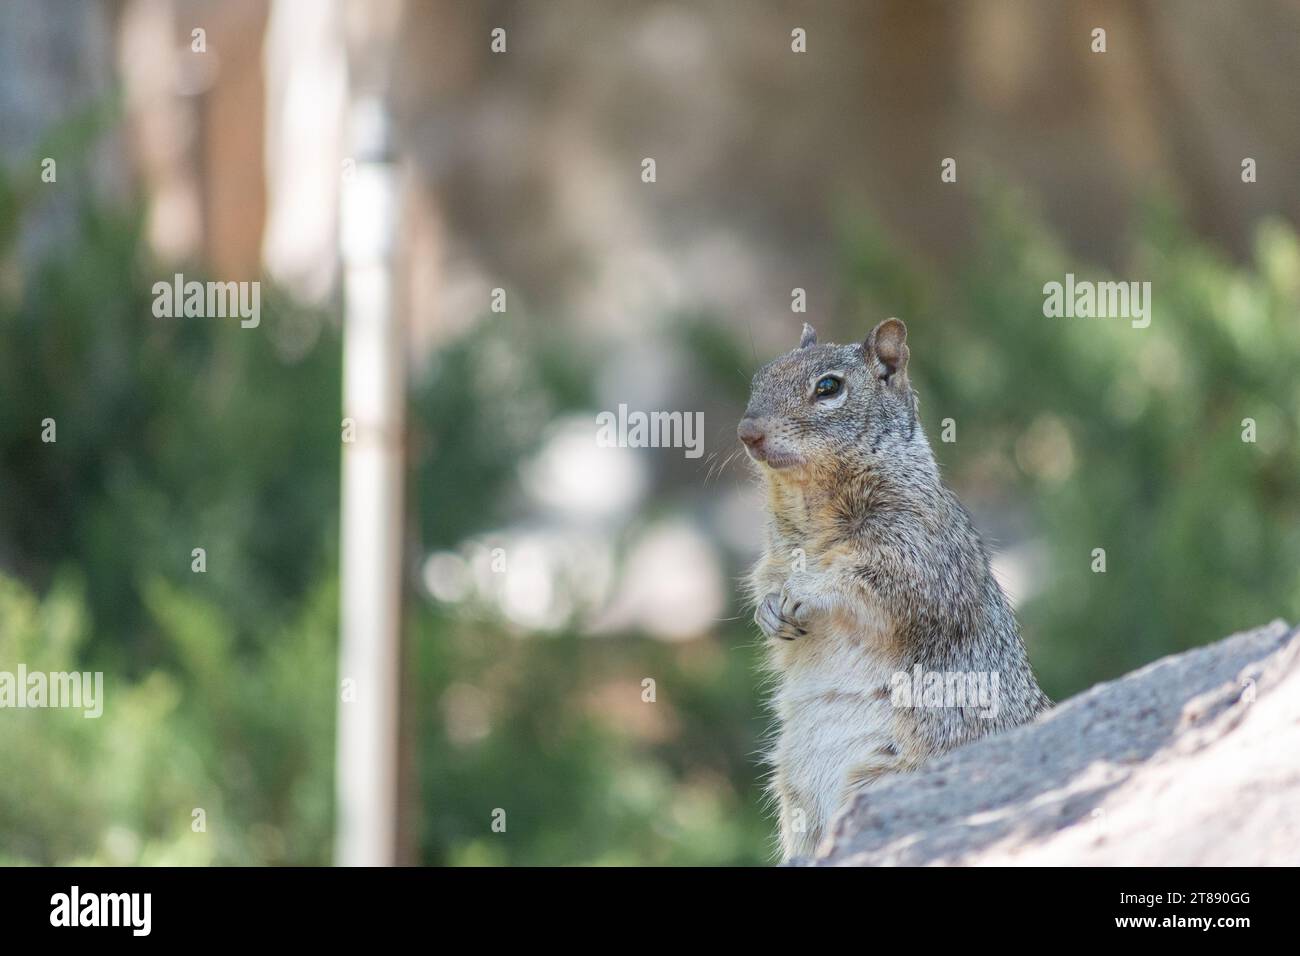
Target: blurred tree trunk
{"points": [[232, 142]]}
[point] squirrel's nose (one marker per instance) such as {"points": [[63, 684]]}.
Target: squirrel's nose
{"points": [[750, 432]]}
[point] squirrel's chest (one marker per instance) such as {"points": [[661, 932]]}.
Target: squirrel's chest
{"points": [[832, 701], [845, 657], [838, 674]]}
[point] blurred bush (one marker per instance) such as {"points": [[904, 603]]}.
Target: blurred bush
{"points": [[221, 687], [171, 435]]}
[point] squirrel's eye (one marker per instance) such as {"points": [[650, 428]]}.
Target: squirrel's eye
{"points": [[827, 386]]}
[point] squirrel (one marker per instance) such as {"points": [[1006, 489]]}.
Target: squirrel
{"points": [[873, 585]]}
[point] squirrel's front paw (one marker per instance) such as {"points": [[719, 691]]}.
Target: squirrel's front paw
{"points": [[782, 616]]}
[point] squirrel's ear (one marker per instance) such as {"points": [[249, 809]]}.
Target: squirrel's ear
{"points": [[886, 349], [809, 336]]}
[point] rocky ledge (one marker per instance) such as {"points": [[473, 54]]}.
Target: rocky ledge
{"points": [[1193, 760]]}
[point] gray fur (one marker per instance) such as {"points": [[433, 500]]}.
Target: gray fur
{"points": [[858, 490]]}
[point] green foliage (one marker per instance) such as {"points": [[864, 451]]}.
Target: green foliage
{"points": [[221, 688], [555, 732], [481, 407], [172, 434], [245, 739]]}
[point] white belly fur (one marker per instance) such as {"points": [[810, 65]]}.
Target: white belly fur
{"points": [[832, 719]]}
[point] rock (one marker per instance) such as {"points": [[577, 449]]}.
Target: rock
{"points": [[1193, 760]]}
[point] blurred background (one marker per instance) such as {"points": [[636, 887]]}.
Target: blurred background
{"points": [[542, 580]]}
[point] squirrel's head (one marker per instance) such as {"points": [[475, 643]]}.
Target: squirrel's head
{"points": [[821, 406]]}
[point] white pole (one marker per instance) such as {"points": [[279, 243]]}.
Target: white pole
{"points": [[367, 761]]}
